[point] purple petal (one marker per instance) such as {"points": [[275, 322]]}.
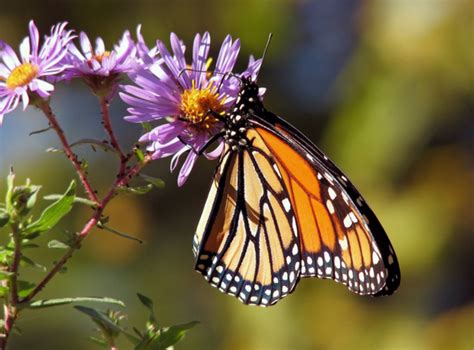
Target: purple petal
{"points": [[178, 50], [99, 46], [9, 56], [25, 99], [4, 72], [86, 45], [200, 53], [186, 168], [34, 36], [216, 152], [174, 147], [25, 50]]}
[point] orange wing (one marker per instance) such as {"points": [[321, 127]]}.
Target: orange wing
{"points": [[246, 243], [275, 213], [335, 240]]}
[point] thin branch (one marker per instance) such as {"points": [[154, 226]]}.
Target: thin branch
{"points": [[45, 107], [15, 264], [10, 310], [122, 180], [104, 108], [89, 141]]}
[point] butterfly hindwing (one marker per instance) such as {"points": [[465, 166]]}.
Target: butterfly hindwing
{"points": [[247, 246]]}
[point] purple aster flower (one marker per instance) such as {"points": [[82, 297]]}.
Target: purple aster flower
{"points": [[185, 95], [99, 67], [37, 66], [100, 61]]}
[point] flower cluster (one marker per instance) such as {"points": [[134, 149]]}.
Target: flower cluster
{"points": [[188, 97]]}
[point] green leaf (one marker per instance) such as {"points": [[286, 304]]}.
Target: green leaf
{"points": [[3, 291], [23, 198], [147, 127], [79, 200], [157, 182], [5, 275], [147, 302], [118, 233], [55, 244], [29, 245], [100, 318], [170, 336], [10, 185], [53, 150], [25, 288], [139, 154], [41, 304], [93, 142], [25, 261], [55, 212], [99, 341], [32, 200], [4, 217], [39, 131], [136, 190]]}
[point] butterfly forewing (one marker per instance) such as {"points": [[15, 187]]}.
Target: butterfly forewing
{"points": [[337, 239]]}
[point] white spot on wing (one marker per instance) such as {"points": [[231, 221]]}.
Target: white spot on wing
{"points": [[286, 204], [293, 225], [347, 221], [375, 258], [294, 251], [390, 259], [277, 170], [337, 262], [343, 243], [353, 217], [330, 206], [332, 193]]}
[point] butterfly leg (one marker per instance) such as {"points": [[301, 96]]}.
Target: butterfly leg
{"points": [[208, 143]]}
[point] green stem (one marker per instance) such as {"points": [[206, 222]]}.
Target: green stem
{"points": [[9, 309]]}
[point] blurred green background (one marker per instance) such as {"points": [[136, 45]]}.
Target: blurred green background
{"points": [[385, 88]]}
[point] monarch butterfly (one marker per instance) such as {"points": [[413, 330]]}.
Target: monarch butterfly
{"points": [[278, 210]]}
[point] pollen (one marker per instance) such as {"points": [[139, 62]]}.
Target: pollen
{"points": [[101, 56], [197, 103], [22, 75], [98, 57]]}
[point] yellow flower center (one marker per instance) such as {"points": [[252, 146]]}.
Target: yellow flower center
{"points": [[22, 75], [197, 103], [98, 57], [101, 56]]}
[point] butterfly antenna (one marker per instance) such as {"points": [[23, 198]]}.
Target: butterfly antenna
{"points": [[265, 50], [190, 70], [267, 45]]}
